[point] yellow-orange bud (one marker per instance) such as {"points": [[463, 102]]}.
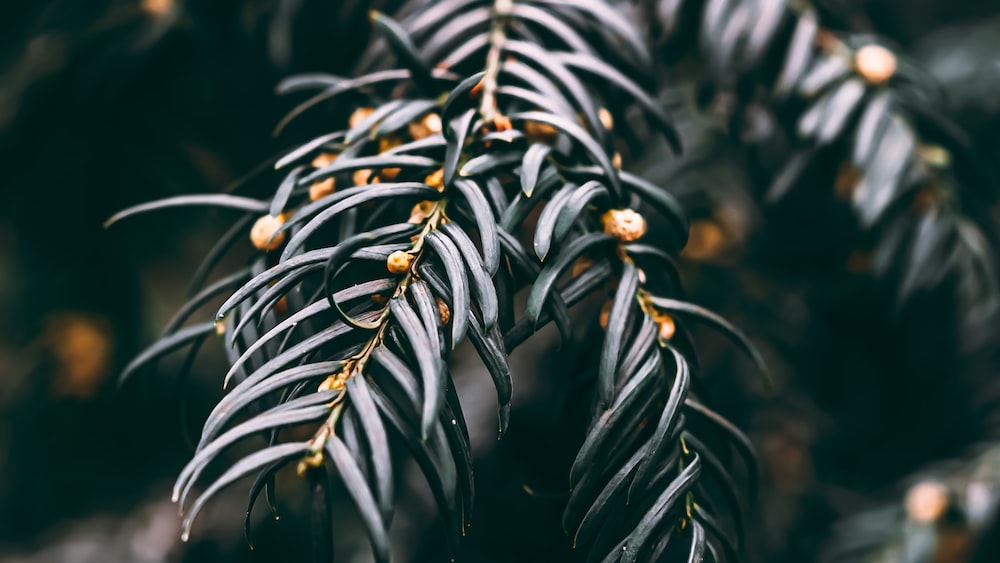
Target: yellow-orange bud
{"points": [[625, 225], [262, 233]]}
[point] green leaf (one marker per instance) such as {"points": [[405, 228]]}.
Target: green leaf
{"points": [[372, 192], [624, 307], [553, 270], [224, 201], [607, 427], [716, 322], [431, 367], [251, 390], [241, 469], [486, 223], [667, 424], [451, 259], [259, 423], [799, 53], [405, 51], [482, 285], [166, 345], [546, 224], [534, 157], [645, 531], [573, 131], [359, 393], [616, 79], [459, 130], [357, 487]]}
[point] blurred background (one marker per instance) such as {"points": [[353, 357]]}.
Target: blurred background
{"points": [[104, 104]]}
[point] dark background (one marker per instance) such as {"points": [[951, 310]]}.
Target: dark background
{"points": [[107, 104]]}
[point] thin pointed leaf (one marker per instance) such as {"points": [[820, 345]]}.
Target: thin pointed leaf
{"points": [[645, 531], [224, 201], [534, 157], [166, 345], [241, 469], [452, 261], [717, 323], [431, 368], [486, 223], [357, 487], [360, 395], [550, 273]]}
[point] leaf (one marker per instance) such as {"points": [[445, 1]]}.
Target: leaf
{"points": [[871, 127], [793, 168], [459, 27], [623, 309], [717, 323], [264, 480], [405, 50], [218, 251], [431, 368], [552, 24], [585, 528], [345, 249], [203, 297], [400, 373], [313, 342], [521, 207], [557, 105], [881, 184], [531, 165], [363, 128], [459, 97], [482, 285], [607, 426], [224, 201], [308, 80], [825, 72], [597, 154], [697, 553], [840, 108], [767, 19], [612, 19], [166, 345], [490, 348], [553, 270], [241, 469], [740, 440], [662, 201], [259, 423], [405, 115], [799, 53], [251, 390], [668, 422], [339, 88], [616, 79], [645, 530], [485, 222], [284, 191], [378, 441], [489, 162], [443, 491], [563, 77], [546, 224], [344, 164], [306, 148], [573, 207], [357, 487], [459, 128], [371, 192], [451, 260]]}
